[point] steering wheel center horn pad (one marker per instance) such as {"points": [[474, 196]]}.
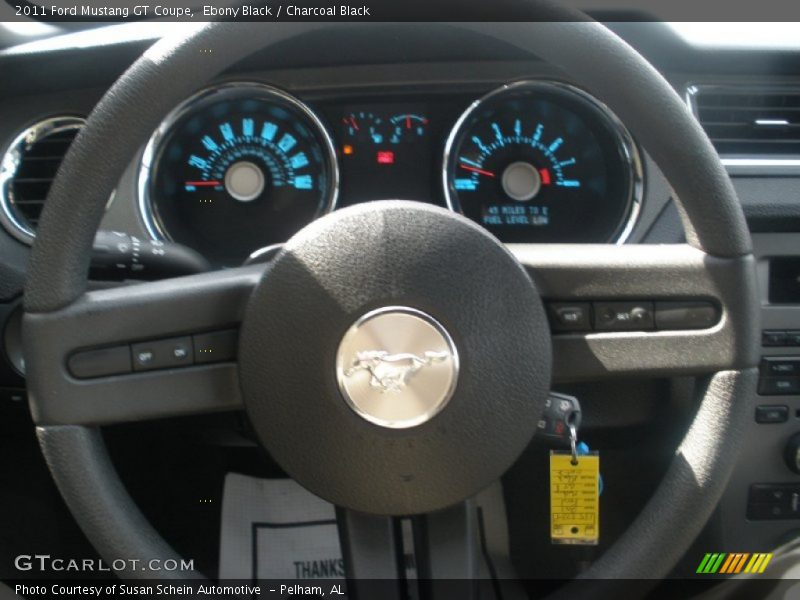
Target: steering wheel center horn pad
{"points": [[449, 400]]}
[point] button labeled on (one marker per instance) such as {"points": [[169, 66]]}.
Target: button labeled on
{"points": [[163, 354]]}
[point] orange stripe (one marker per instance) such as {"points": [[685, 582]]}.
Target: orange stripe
{"points": [[727, 562], [741, 563]]}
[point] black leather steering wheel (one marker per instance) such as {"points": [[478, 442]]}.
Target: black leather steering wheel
{"points": [[321, 292]]}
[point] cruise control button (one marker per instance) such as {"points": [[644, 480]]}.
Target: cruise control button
{"points": [[163, 354], [793, 338], [570, 316], [771, 337], [623, 316]]}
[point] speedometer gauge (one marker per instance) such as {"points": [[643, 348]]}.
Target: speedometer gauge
{"points": [[543, 162], [234, 169]]}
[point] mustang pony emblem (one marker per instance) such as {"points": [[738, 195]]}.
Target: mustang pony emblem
{"points": [[391, 372]]}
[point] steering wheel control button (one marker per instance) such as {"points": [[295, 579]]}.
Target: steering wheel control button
{"points": [[570, 316], [390, 375], [778, 366], [772, 413], [772, 337], [163, 354], [779, 386], [101, 362], [767, 501], [623, 316], [216, 346], [686, 315], [397, 367]]}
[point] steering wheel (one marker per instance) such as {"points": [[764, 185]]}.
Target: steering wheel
{"points": [[352, 278]]}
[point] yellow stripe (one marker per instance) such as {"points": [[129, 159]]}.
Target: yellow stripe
{"points": [[757, 564], [741, 562], [749, 568], [727, 562], [767, 558]]}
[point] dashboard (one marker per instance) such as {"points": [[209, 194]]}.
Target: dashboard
{"points": [[243, 165], [504, 139]]}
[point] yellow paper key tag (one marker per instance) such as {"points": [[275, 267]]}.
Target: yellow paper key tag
{"points": [[574, 499]]}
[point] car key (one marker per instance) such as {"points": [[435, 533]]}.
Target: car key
{"points": [[561, 413]]}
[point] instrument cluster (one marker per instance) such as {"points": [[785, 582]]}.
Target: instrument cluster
{"points": [[242, 166]]}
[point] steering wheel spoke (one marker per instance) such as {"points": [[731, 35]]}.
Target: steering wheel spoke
{"points": [[577, 273], [445, 546], [87, 351]]}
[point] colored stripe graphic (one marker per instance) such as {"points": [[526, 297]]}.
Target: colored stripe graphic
{"points": [[733, 563], [703, 563], [711, 563], [767, 558], [758, 563], [741, 562], [729, 562]]}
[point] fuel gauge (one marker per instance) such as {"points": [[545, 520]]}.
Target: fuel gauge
{"points": [[365, 126]]}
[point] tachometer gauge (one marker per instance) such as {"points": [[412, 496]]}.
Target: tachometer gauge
{"points": [[234, 169], [543, 162]]}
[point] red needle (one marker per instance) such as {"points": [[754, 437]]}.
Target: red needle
{"points": [[203, 183], [408, 121], [477, 170], [354, 124]]}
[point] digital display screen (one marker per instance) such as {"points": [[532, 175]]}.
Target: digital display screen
{"points": [[537, 216], [386, 152]]}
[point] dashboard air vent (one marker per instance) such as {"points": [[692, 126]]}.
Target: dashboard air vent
{"points": [[28, 168], [749, 122]]}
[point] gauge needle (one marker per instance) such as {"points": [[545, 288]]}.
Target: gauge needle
{"points": [[477, 170], [203, 183]]}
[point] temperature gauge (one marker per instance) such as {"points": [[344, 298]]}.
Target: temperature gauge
{"points": [[407, 128]]}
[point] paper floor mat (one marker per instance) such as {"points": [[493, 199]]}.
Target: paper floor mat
{"points": [[275, 529]]}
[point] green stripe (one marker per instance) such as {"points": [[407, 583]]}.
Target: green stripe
{"points": [[701, 568], [711, 562], [718, 563]]}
